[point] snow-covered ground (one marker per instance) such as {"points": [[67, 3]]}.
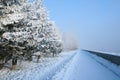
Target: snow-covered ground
{"points": [[75, 65], [85, 66], [37, 71]]}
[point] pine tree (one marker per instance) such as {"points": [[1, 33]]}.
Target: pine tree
{"points": [[46, 37], [12, 36], [26, 29], [51, 41]]}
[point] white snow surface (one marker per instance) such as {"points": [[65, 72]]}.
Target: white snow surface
{"points": [[75, 65], [43, 70], [85, 66]]}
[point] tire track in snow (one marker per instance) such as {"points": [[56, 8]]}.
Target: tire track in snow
{"points": [[57, 68], [62, 73], [81, 67], [36, 74]]}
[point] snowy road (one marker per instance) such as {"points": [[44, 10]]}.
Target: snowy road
{"points": [[76, 65], [84, 67]]}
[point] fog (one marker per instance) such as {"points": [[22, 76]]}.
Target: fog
{"points": [[102, 39]]}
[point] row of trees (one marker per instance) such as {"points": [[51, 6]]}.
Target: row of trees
{"points": [[25, 29]]}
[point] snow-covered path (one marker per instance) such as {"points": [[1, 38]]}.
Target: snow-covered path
{"points": [[75, 65], [84, 67]]}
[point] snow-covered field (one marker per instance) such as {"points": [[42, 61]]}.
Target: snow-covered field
{"points": [[75, 65]]}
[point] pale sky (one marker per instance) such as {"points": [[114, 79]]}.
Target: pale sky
{"points": [[95, 22]]}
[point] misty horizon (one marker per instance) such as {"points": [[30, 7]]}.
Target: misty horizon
{"points": [[96, 23]]}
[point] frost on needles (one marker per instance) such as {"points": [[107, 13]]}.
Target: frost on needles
{"points": [[25, 28]]}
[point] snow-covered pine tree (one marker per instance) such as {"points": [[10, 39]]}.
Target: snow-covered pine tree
{"points": [[12, 37], [25, 28], [51, 40], [31, 21], [46, 37], [51, 43]]}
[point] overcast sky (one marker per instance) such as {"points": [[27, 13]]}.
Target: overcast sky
{"points": [[95, 22]]}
